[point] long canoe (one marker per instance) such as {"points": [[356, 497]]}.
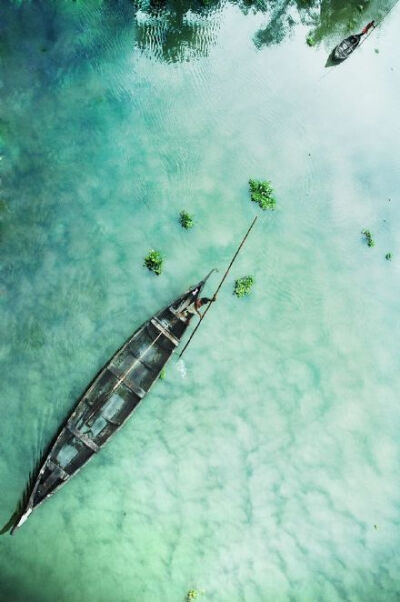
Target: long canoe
{"points": [[111, 398]]}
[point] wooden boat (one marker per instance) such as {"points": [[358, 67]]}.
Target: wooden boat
{"points": [[343, 50], [111, 398], [346, 47]]}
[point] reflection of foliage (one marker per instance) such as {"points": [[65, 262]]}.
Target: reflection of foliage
{"points": [[325, 18], [176, 30]]}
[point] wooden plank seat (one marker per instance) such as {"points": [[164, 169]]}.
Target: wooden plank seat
{"points": [[53, 466], [177, 314], [134, 387], [112, 421], [164, 331], [82, 437]]}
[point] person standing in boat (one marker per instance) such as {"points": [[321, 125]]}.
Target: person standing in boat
{"points": [[192, 304], [367, 28], [195, 305]]}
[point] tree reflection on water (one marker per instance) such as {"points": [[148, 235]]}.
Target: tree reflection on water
{"points": [[177, 30], [180, 30]]}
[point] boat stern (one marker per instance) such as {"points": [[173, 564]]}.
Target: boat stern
{"points": [[21, 520]]}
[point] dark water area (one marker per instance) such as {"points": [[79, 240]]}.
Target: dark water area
{"points": [[265, 467]]}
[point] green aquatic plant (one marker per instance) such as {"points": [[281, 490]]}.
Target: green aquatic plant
{"points": [[192, 595], [368, 238], [261, 192], [388, 256], [186, 220], [153, 261], [243, 286], [163, 374], [310, 40]]}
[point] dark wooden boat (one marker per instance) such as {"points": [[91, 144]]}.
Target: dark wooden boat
{"points": [[343, 50], [111, 398], [346, 47]]}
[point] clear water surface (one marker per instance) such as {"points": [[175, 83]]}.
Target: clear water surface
{"points": [[265, 468]]}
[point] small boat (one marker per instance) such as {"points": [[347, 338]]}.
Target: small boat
{"points": [[111, 398], [343, 50], [346, 47]]}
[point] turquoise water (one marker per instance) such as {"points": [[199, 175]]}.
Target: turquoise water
{"points": [[265, 468]]}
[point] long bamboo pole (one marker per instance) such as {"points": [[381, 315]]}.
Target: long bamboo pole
{"points": [[219, 286]]}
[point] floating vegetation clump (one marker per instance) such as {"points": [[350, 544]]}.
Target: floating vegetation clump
{"points": [[368, 238], [388, 257], [153, 261], [163, 374], [192, 595], [186, 220], [310, 40], [243, 286], [261, 192]]}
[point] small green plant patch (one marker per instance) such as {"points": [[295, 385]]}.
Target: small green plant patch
{"points": [[186, 220], [163, 374], [261, 192], [192, 595], [388, 257], [243, 286], [154, 261], [310, 40], [368, 238]]}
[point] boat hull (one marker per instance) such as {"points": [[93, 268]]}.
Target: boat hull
{"points": [[110, 399], [343, 50]]}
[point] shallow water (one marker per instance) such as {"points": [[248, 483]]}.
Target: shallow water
{"points": [[266, 466]]}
